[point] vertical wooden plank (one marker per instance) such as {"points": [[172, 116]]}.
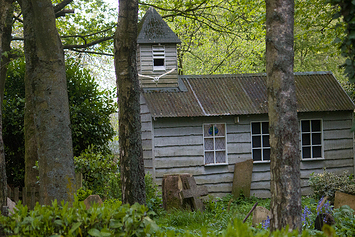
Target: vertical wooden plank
{"points": [[33, 200], [24, 196], [16, 192], [9, 192]]}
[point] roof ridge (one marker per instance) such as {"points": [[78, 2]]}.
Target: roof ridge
{"points": [[253, 74]]}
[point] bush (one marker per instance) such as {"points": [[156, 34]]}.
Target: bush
{"points": [[82, 194], [100, 173], [60, 220], [153, 195], [90, 110], [327, 183], [345, 221]]}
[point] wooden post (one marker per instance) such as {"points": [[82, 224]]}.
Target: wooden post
{"points": [[16, 194], [33, 195], [251, 210], [24, 195]]}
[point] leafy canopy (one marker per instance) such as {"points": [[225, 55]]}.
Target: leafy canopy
{"points": [[90, 110]]}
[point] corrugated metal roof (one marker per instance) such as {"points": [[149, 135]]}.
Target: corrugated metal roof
{"points": [[216, 95], [152, 29]]}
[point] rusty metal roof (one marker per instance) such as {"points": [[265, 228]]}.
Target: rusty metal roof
{"points": [[216, 95]]}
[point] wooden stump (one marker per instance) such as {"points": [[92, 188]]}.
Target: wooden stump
{"points": [[171, 187]]}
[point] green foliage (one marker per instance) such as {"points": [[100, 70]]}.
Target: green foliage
{"points": [[92, 21], [13, 123], [100, 173], [346, 11], [153, 196], [112, 219], [220, 37], [327, 183], [345, 221], [90, 110], [82, 194]]}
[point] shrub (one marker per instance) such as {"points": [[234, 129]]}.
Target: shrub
{"points": [[327, 183], [345, 221], [82, 194], [90, 110], [60, 220], [100, 173], [153, 195]]}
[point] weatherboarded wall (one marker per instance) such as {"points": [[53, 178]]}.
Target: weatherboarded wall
{"points": [[147, 136], [176, 146], [145, 66]]}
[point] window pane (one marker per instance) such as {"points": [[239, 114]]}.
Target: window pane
{"points": [[306, 152], [255, 128], [306, 139], [207, 130], [266, 154], [219, 130], [256, 154], [158, 62], [316, 139], [256, 141], [209, 157], [209, 144], [266, 142], [265, 128], [220, 144], [316, 125], [305, 126], [220, 157], [317, 152]]}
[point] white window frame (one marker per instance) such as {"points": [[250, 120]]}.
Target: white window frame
{"points": [[311, 145], [261, 148], [158, 52], [214, 144]]}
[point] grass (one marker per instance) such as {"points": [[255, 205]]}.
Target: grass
{"points": [[219, 212]]}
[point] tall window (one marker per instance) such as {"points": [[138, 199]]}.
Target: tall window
{"points": [[311, 138], [214, 138], [260, 141], [158, 57]]}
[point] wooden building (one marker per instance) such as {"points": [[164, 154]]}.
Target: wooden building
{"points": [[204, 124]]}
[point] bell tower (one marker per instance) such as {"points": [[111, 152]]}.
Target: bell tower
{"points": [[156, 52]]}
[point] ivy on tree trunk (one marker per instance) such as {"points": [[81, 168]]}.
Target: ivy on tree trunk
{"points": [[283, 123], [46, 83], [130, 142]]}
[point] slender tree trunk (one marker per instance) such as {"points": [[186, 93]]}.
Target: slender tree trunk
{"points": [[283, 122], [5, 40], [46, 82], [131, 152]]}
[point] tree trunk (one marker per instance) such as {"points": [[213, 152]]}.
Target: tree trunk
{"points": [[5, 40], [130, 142], [283, 122], [48, 106]]}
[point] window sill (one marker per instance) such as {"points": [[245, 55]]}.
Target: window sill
{"points": [[216, 164], [312, 159], [159, 68], [261, 162]]}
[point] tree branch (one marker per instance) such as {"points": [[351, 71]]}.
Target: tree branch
{"points": [[60, 6], [91, 52], [63, 12], [88, 35], [83, 46]]}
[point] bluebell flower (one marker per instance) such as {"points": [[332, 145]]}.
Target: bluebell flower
{"points": [[266, 223]]}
